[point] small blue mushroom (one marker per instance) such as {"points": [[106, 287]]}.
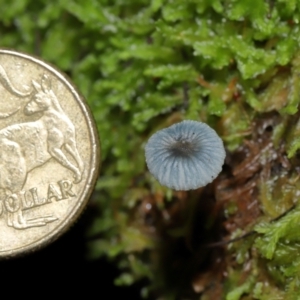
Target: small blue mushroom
{"points": [[185, 156]]}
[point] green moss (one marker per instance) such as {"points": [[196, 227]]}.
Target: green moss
{"points": [[143, 65]]}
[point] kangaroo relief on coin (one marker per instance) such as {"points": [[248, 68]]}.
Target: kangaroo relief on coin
{"points": [[49, 153]]}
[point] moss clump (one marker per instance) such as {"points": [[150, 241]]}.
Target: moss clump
{"points": [[143, 65]]}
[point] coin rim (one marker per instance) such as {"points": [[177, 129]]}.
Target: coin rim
{"points": [[95, 161]]}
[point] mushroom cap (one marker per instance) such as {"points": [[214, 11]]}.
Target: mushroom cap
{"points": [[185, 156]]}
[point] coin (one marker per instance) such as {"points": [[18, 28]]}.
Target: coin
{"points": [[49, 153]]}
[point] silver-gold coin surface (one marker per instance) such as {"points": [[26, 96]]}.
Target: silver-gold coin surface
{"points": [[49, 153]]}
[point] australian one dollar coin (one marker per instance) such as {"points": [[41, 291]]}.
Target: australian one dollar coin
{"points": [[49, 153]]}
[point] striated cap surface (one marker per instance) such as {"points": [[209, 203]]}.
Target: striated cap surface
{"points": [[185, 156]]}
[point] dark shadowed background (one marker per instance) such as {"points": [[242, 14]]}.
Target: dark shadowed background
{"points": [[63, 266]]}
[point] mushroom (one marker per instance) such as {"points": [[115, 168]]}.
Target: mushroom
{"points": [[185, 156]]}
